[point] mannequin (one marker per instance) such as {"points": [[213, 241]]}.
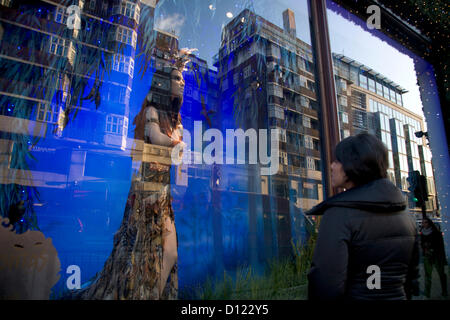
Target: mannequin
{"points": [[143, 262]]}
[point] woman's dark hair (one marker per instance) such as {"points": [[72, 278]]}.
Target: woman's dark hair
{"points": [[431, 224], [364, 158]]}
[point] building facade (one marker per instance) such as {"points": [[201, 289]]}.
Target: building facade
{"points": [[370, 102]]}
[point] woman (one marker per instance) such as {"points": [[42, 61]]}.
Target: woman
{"points": [[366, 225], [433, 251]]}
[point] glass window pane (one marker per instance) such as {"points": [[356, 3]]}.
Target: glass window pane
{"points": [[246, 106], [254, 70]]}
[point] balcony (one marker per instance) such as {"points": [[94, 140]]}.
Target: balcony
{"points": [[305, 173]]}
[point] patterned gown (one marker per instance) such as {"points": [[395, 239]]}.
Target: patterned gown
{"points": [[132, 270]]}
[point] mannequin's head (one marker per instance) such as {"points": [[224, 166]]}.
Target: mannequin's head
{"points": [[176, 86]]}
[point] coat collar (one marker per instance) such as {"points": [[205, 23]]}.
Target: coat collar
{"points": [[377, 196]]}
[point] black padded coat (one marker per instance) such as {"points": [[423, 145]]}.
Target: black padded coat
{"points": [[365, 226]]}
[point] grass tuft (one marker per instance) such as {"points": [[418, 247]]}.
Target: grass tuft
{"points": [[282, 280]]}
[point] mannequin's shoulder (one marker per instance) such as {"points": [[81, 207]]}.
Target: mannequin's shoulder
{"points": [[151, 113]]}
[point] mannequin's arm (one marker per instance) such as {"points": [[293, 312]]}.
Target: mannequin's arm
{"points": [[153, 131]]}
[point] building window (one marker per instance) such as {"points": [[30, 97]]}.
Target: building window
{"points": [[359, 99], [158, 65], [47, 113], [116, 124], [301, 63], [359, 119], [283, 135], [126, 36], [393, 98], [283, 158], [379, 89], [129, 9], [310, 85], [309, 142], [372, 85], [275, 90], [274, 51], [344, 117], [275, 111], [124, 95], [156, 98], [363, 81], [160, 83], [61, 15], [304, 102], [59, 46], [92, 4], [303, 81], [310, 163], [399, 99], [235, 77], [345, 133], [306, 122], [386, 92], [343, 101], [247, 71], [123, 64], [104, 7], [342, 86], [6, 3]]}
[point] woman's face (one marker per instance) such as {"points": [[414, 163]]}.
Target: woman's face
{"points": [[338, 177], [425, 224], [177, 84]]}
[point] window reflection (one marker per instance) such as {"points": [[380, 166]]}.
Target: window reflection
{"points": [[253, 71]]}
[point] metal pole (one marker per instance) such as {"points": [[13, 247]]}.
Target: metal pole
{"points": [[327, 93]]}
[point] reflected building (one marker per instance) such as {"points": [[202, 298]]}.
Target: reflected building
{"points": [[267, 81], [57, 64], [370, 102]]}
